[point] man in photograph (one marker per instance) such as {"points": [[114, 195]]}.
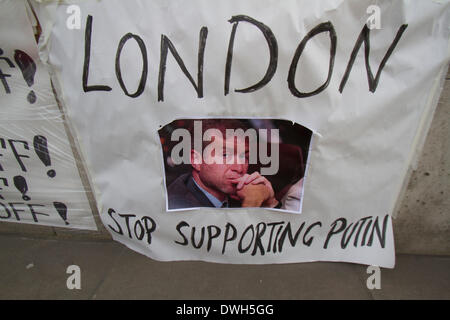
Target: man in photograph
{"points": [[218, 172]]}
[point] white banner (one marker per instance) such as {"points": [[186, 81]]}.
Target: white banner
{"points": [[39, 179], [336, 95]]}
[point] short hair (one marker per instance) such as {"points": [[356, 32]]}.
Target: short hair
{"points": [[220, 124]]}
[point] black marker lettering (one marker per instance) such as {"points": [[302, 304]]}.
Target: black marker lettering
{"points": [[323, 27], [346, 239], [363, 221], [228, 238], [212, 235], [333, 230], [364, 36], [363, 241], [167, 45], [28, 68], [273, 50], [260, 229], [34, 213], [16, 211], [381, 234], [3, 77], [288, 232], [150, 226], [8, 213], [87, 57], [202, 237], [179, 226], [17, 155], [310, 240], [249, 228], [139, 235], [5, 183], [273, 225], [3, 145], [276, 242], [119, 231], [127, 222], [144, 72]]}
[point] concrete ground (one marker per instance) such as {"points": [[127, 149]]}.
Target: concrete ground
{"points": [[36, 269]]}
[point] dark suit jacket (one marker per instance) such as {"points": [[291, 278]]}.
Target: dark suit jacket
{"points": [[184, 193]]}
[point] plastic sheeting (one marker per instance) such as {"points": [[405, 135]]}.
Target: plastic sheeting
{"points": [[133, 67], [39, 178]]}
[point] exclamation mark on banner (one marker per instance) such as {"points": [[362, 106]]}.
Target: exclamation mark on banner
{"points": [[21, 185], [62, 210], [28, 68], [40, 146]]}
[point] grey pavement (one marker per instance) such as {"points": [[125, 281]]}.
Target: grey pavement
{"points": [[36, 269]]}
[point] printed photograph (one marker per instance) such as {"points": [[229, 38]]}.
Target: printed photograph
{"points": [[235, 163]]}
